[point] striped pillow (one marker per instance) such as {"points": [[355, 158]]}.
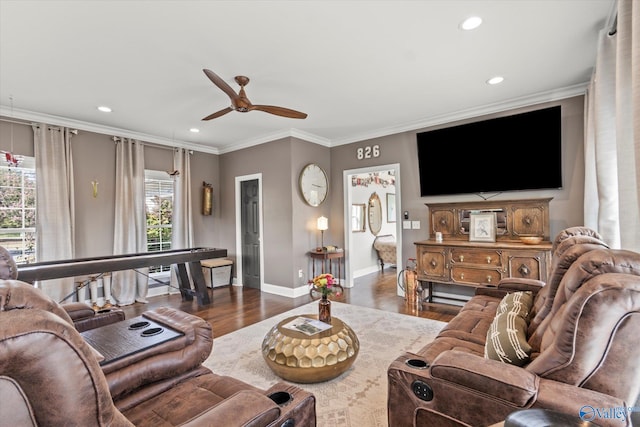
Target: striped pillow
{"points": [[507, 335]]}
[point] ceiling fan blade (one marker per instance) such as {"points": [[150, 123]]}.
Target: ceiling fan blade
{"points": [[218, 113], [279, 111], [217, 80]]}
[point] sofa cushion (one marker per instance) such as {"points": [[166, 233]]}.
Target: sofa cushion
{"points": [[507, 336]]}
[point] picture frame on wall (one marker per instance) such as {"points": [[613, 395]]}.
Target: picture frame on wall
{"points": [[391, 207], [482, 227]]}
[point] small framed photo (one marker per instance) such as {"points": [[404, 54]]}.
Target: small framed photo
{"points": [[391, 207], [482, 227]]}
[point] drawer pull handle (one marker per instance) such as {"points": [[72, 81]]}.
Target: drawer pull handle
{"points": [[443, 221], [488, 260], [527, 220], [461, 276], [433, 263], [461, 258], [488, 279], [524, 270]]}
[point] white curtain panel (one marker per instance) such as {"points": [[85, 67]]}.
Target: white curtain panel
{"points": [[130, 233], [55, 221], [182, 224], [612, 134]]}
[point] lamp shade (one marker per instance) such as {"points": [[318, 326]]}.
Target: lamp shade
{"points": [[323, 223]]}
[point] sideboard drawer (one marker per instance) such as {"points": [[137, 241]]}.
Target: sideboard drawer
{"points": [[488, 257], [432, 263], [475, 276], [526, 265]]}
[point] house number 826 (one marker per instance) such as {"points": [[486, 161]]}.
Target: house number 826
{"points": [[368, 152]]}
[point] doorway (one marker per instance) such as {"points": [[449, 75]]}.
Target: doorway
{"points": [[249, 230], [352, 237]]}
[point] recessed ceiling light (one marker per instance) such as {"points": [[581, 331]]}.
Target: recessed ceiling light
{"points": [[471, 23], [194, 130], [104, 109], [495, 80]]}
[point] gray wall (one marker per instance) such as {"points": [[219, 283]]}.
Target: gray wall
{"points": [[566, 208], [289, 223], [94, 160]]}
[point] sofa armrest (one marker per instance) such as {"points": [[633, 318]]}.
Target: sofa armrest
{"points": [[84, 317], [245, 408], [508, 285], [503, 381], [164, 361]]}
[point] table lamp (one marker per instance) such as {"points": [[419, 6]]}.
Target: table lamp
{"points": [[323, 224]]}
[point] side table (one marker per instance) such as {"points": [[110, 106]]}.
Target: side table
{"points": [[302, 358], [326, 258]]}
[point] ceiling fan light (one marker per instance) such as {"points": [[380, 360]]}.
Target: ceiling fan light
{"points": [[104, 109], [495, 80], [194, 130], [471, 23]]}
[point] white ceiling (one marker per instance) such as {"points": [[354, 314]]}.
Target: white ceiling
{"points": [[360, 69]]}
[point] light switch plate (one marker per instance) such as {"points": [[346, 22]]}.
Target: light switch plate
{"points": [[415, 225], [406, 225]]}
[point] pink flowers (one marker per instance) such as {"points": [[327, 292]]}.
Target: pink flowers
{"points": [[324, 284]]}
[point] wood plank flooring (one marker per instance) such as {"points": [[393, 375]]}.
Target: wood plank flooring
{"points": [[235, 307]]}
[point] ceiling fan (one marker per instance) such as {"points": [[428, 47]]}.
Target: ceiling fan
{"points": [[240, 102]]}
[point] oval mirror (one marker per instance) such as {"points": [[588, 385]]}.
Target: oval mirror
{"points": [[375, 214]]}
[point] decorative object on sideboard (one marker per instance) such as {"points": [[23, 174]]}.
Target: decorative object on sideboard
{"points": [[482, 227], [530, 240], [207, 198]]}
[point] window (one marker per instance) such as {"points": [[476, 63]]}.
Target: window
{"points": [[18, 210], [158, 188]]}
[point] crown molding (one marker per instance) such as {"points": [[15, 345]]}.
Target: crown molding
{"points": [[53, 120], [550, 96]]}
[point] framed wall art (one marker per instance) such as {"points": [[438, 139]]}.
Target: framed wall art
{"points": [[391, 207], [482, 227]]}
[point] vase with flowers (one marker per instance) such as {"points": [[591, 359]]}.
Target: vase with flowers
{"points": [[325, 285]]}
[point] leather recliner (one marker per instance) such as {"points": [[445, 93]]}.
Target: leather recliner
{"points": [[51, 376], [84, 317], [583, 332]]}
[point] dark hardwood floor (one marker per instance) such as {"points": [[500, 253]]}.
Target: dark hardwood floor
{"points": [[235, 307]]}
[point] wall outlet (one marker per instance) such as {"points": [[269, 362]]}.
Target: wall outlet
{"points": [[300, 273]]}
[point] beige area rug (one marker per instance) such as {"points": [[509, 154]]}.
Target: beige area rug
{"points": [[357, 398]]}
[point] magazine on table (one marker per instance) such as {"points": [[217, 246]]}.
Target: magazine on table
{"points": [[307, 326]]}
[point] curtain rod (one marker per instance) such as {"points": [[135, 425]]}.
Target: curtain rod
{"points": [[148, 144], [73, 131]]}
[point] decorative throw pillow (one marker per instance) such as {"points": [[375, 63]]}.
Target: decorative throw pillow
{"points": [[507, 335]]}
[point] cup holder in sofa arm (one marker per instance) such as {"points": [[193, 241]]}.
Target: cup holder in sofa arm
{"points": [[417, 363], [139, 325], [281, 398], [151, 332]]}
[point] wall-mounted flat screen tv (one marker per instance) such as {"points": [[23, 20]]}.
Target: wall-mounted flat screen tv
{"points": [[513, 153]]}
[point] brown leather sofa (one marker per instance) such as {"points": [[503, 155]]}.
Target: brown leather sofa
{"points": [[84, 317], [51, 376], [582, 330]]}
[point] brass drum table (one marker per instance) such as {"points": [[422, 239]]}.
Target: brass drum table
{"points": [[302, 358]]}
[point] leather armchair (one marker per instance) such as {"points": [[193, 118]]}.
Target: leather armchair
{"points": [[83, 316], [50, 376], [583, 348]]}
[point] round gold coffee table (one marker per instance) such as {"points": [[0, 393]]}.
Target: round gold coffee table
{"points": [[302, 358]]}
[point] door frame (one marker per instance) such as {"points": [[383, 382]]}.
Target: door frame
{"points": [[239, 270], [346, 180]]}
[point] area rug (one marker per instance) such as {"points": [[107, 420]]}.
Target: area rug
{"points": [[358, 397]]}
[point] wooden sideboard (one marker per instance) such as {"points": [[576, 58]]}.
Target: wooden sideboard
{"points": [[457, 261]]}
